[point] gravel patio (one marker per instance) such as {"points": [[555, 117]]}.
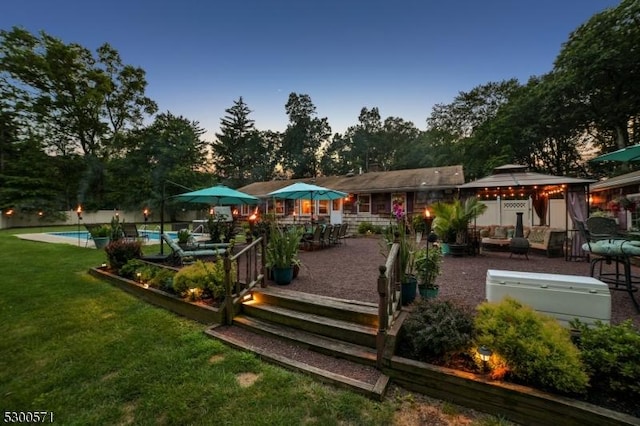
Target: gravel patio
{"points": [[350, 271]]}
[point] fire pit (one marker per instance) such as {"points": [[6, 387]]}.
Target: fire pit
{"points": [[519, 244]]}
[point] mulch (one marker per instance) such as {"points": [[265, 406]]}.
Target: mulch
{"points": [[350, 271]]}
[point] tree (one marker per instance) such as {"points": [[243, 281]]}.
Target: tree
{"points": [[470, 109], [235, 150], [599, 66], [170, 149], [72, 101], [303, 137]]}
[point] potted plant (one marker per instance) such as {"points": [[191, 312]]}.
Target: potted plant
{"points": [[282, 253], [183, 237], [101, 235], [452, 222], [428, 262], [402, 232]]}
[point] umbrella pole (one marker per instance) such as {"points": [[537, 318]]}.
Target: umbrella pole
{"points": [[162, 220]]}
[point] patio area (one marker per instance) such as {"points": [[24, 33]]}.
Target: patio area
{"points": [[350, 271]]}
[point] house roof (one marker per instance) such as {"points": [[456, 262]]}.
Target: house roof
{"points": [[616, 182], [431, 178], [517, 176]]}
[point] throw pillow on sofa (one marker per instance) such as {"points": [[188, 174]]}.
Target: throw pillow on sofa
{"points": [[500, 232]]}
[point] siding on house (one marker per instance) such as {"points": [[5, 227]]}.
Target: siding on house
{"points": [[419, 187]]}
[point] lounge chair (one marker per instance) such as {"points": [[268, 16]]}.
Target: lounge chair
{"points": [[130, 232], [182, 256]]}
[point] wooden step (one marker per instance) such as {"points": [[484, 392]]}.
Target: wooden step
{"points": [[347, 310], [337, 329], [365, 380], [360, 354]]}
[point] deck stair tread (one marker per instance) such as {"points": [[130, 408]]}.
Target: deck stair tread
{"points": [[316, 342], [341, 372], [293, 315], [301, 297]]}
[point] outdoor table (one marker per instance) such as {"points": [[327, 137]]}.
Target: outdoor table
{"points": [[619, 251]]}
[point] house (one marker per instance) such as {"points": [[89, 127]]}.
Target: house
{"points": [[370, 195], [606, 194]]}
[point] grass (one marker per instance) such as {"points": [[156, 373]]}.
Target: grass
{"points": [[92, 354]]}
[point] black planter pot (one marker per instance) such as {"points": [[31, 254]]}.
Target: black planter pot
{"points": [[457, 250]]}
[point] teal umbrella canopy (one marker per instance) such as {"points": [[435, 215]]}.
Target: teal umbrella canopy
{"points": [[218, 195], [624, 155], [306, 191]]}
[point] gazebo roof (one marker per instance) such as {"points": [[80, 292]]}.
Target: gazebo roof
{"points": [[514, 175]]}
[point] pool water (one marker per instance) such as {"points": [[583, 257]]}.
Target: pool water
{"points": [[154, 236]]}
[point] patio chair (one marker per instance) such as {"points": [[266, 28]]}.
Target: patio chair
{"points": [[335, 233], [130, 232], [342, 235], [326, 236], [182, 256], [313, 241], [606, 246]]}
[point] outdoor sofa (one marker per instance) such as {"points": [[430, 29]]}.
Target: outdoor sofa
{"points": [[542, 238]]}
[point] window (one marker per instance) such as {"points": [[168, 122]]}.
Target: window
{"points": [[306, 207], [364, 203], [323, 207]]}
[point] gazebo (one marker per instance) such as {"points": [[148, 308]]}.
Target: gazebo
{"points": [[545, 200]]}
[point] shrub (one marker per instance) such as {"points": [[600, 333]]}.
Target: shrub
{"points": [[207, 278], [611, 354], [130, 269], [437, 329], [163, 280], [119, 252], [536, 349], [368, 227]]}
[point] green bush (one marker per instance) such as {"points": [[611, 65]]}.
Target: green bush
{"points": [[163, 280], [202, 278], [368, 227], [536, 349], [611, 354], [152, 275], [131, 268], [437, 329], [119, 252]]}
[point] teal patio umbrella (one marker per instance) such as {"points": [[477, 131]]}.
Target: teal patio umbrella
{"points": [[624, 155], [307, 191], [218, 195]]}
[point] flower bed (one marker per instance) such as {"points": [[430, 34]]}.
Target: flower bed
{"points": [[537, 368], [196, 311]]}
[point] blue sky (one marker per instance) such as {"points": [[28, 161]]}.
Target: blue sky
{"points": [[400, 56]]}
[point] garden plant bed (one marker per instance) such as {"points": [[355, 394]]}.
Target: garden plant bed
{"points": [[197, 311], [519, 403]]}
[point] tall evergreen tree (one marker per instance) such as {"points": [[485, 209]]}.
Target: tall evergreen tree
{"points": [[303, 138], [237, 145]]}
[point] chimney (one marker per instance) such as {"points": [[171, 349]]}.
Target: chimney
{"points": [[374, 167]]}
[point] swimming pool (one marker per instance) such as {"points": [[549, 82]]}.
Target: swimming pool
{"points": [[154, 236]]}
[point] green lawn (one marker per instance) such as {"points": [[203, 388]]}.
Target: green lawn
{"points": [[91, 354]]}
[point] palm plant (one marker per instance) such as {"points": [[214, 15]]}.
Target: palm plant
{"points": [[282, 248], [453, 218]]}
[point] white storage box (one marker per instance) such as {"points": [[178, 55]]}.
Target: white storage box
{"points": [[564, 297]]}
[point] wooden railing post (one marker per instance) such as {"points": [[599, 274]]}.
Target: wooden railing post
{"points": [[383, 314], [228, 291]]}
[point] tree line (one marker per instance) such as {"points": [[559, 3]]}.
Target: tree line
{"points": [[72, 125]]}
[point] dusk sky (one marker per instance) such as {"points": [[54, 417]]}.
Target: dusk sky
{"points": [[400, 56]]}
